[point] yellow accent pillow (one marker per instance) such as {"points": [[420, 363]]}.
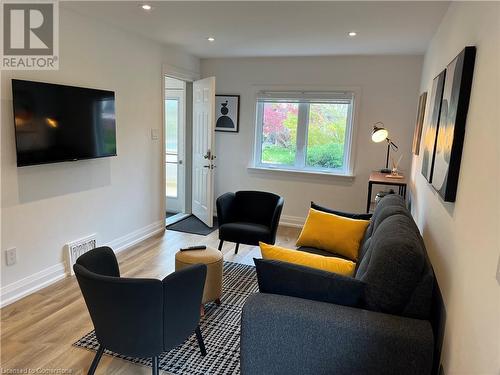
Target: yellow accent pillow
{"points": [[331, 264], [333, 233]]}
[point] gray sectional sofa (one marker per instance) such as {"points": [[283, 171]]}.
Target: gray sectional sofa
{"points": [[389, 332]]}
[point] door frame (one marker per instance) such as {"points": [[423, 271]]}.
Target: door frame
{"points": [[188, 76]]}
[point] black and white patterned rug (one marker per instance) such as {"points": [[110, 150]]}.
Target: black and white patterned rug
{"points": [[220, 328]]}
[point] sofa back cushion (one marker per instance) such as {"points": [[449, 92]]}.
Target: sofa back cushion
{"points": [[395, 267], [294, 280]]}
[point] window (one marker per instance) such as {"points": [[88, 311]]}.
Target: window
{"points": [[304, 131], [171, 145]]}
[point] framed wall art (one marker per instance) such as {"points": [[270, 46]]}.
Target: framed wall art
{"points": [[227, 113], [419, 123], [451, 130], [431, 126]]}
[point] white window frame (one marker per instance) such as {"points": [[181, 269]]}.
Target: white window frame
{"points": [[304, 98]]}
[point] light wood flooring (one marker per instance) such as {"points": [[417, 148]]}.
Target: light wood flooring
{"points": [[37, 332]]}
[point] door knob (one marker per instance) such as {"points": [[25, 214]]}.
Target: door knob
{"points": [[180, 162]]}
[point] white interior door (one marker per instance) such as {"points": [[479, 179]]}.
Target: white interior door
{"points": [[203, 149], [175, 98]]}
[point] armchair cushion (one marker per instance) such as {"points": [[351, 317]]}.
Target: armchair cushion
{"points": [[294, 280], [243, 232]]}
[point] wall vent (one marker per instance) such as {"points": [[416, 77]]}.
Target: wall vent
{"points": [[76, 248]]}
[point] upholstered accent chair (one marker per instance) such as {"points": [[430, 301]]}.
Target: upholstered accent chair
{"points": [[248, 217], [139, 317]]}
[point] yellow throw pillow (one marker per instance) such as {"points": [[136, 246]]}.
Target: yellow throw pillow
{"points": [[333, 233], [331, 264]]}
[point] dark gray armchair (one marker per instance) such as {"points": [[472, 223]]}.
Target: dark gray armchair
{"points": [[139, 317], [248, 217]]}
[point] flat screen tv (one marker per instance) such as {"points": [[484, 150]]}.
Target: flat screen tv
{"points": [[56, 123]]}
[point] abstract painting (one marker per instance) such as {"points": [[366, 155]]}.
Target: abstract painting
{"points": [[451, 131], [227, 113], [431, 126], [419, 123]]}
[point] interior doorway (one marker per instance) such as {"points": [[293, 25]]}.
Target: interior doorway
{"points": [[189, 160], [175, 109]]}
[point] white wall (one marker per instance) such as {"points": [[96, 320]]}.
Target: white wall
{"points": [[119, 198], [389, 93], [462, 238]]}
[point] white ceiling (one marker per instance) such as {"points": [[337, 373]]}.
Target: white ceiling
{"points": [[297, 28]]}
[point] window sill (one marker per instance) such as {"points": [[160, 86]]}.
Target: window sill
{"points": [[301, 172]]}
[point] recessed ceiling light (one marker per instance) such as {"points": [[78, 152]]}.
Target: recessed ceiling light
{"points": [[211, 39], [146, 7], [353, 33]]}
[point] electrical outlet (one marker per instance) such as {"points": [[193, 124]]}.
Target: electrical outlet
{"points": [[11, 256]]}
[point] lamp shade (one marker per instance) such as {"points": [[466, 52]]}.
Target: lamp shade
{"points": [[379, 134]]}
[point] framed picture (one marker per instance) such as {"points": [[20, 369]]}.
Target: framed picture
{"points": [[451, 131], [431, 126], [227, 113], [420, 122]]}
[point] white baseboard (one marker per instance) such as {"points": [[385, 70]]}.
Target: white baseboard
{"points": [[131, 239], [292, 221], [21, 288]]}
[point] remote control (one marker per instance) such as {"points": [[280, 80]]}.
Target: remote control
{"points": [[199, 247]]}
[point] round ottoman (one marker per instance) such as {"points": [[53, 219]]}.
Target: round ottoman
{"points": [[213, 259]]}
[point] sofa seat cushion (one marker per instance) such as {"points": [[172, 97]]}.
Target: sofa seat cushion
{"points": [[243, 232]]}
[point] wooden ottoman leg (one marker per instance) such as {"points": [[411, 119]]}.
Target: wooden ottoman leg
{"points": [[217, 302]]}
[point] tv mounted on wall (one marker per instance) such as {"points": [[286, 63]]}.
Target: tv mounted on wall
{"points": [[56, 123]]}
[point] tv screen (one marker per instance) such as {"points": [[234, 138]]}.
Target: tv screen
{"points": [[56, 123]]}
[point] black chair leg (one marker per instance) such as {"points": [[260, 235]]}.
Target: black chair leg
{"points": [[155, 364], [237, 247], [96, 360], [201, 344], [220, 244]]}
